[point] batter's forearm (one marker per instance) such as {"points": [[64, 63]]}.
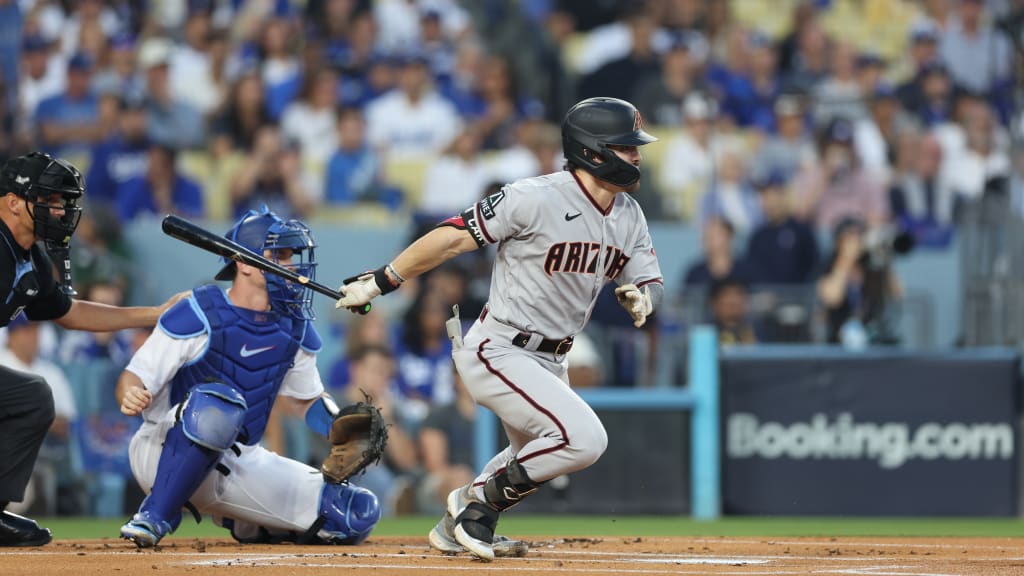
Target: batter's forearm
{"points": [[431, 250]]}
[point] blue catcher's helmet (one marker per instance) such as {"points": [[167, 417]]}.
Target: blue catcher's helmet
{"points": [[264, 230]]}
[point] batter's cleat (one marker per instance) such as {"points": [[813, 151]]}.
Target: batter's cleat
{"points": [[144, 532], [20, 531], [474, 523], [442, 539]]}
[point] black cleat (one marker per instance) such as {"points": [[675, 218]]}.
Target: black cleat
{"points": [[20, 531]]}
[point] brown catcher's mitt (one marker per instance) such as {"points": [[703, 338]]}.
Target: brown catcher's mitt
{"points": [[358, 437]]}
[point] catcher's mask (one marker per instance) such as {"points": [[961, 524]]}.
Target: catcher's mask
{"points": [[40, 179], [264, 230], [593, 124]]}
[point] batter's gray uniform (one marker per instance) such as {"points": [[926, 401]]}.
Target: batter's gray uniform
{"points": [[556, 250]]}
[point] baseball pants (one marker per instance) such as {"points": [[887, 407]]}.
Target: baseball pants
{"points": [[551, 430], [26, 412]]}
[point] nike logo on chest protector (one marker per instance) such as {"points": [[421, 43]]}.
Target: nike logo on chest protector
{"points": [[247, 352]]}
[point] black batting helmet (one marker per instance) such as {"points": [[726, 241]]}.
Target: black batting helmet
{"points": [[591, 125], [37, 177]]}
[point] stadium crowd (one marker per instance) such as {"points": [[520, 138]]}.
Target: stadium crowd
{"points": [[810, 141]]}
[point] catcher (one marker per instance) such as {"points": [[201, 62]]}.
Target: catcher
{"points": [[204, 383]]}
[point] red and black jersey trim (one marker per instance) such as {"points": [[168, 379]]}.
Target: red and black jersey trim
{"points": [[603, 211], [468, 221], [651, 281]]}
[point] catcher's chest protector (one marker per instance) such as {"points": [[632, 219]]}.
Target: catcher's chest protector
{"points": [[248, 350]]}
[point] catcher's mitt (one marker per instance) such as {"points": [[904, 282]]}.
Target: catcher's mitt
{"points": [[358, 437]]}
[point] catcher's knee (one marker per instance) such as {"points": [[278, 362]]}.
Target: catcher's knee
{"points": [[348, 513], [213, 415]]}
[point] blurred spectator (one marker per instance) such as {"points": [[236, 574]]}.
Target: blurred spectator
{"points": [[43, 75], [311, 122], [99, 253], [856, 288], [782, 250], [618, 76], [839, 95], [924, 49], [921, 196], [977, 54], [279, 67], [398, 21], [270, 176], [79, 346], [412, 120], [838, 185], [436, 44], [538, 150], [982, 164], [730, 196], [372, 368], [120, 157], [804, 14], [170, 121], [727, 302], [501, 106], [446, 442], [719, 259], [457, 179], [362, 330], [354, 169], [22, 353], [810, 62], [83, 15], [635, 23], [689, 158], [243, 116], [931, 95], [791, 147], [876, 136], [423, 358], [161, 190], [750, 94], [193, 78], [659, 98], [69, 122], [119, 75]]}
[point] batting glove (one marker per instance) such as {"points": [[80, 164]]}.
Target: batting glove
{"points": [[357, 291], [636, 301]]}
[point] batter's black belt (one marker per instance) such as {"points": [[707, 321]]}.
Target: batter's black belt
{"points": [[547, 345]]}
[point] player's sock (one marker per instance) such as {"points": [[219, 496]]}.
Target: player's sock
{"points": [[182, 468]]}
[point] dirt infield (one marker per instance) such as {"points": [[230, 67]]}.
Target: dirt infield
{"points": [[407, 556]]}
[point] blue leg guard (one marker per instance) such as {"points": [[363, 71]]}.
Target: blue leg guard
{"points": [[209, 422], [348, 513]]}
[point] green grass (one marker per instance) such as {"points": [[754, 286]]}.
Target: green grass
{"points": [[624, 526]]}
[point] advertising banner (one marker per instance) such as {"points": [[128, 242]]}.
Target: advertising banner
{"points": [[812, 432]]}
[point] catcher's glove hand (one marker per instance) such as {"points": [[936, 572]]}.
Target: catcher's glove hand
{"points": [[358, 437]]}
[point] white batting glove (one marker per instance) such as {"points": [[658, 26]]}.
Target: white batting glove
{"points": [[636, 301], [358, 291]]}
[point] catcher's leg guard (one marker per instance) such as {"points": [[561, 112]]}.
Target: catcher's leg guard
{"points": [[347, 514], [208, 424]]}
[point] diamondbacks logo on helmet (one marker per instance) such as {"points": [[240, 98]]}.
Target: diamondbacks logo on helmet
{"points": [[638, 122]]}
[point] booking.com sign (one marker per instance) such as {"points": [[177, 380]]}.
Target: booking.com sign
{"points": [[842, 437]]}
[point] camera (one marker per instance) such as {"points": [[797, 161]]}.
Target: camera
{"points": [[883, 243]]}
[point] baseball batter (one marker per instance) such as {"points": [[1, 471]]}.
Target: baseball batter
{"points": [[204, 383], [560, 238]]}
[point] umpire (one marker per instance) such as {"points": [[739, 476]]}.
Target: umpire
{"points": [[39, 203]]}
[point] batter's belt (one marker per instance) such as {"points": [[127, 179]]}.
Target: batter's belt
{"points": [[526, 340]]}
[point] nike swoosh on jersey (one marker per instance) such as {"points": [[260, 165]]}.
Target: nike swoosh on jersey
{"points": [[247, 352], [573, 217]]}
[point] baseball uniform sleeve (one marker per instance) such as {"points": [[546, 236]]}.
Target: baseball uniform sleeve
{"points": [[501, 215], [642, 267], [160, 357], [303, 380]]}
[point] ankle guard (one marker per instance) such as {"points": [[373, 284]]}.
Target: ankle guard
{"points": [[506, 488]]}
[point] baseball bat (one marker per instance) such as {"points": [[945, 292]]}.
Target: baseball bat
{"points": [[186, 231]]}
